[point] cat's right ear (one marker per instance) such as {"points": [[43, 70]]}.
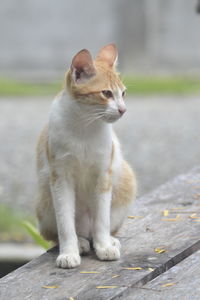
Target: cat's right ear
{"points": [[82, 67]]}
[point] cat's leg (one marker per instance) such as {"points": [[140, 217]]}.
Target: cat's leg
{"points": [[102, 240], [64, 203]]}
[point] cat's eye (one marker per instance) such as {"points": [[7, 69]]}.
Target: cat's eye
{"points": [[108, 94], [124, 93]]}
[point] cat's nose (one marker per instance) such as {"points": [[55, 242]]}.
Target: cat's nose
{"points": [[122, 110]]}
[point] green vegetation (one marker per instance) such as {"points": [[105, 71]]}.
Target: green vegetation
{"points": [[18, 227], [9, 222], [139, 85], [162, 85], [10, 87], [34, 233]]}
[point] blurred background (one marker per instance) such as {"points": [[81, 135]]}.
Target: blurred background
{"points": [[159, 60]]}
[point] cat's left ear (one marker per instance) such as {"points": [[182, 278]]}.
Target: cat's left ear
{"points": [[108, 54], [82, 66]]}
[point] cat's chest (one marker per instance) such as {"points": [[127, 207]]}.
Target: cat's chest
{"points": [[88, 148], [87, 153], [85, 162]]}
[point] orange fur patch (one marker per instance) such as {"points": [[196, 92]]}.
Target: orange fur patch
{"points": [[124, 192]]}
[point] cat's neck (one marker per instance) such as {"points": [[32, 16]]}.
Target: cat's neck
{"points": [[81, 119]]}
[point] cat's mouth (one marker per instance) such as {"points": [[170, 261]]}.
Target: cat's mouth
{"points": [[111, 118]]}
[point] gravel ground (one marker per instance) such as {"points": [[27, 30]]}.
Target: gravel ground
{"points": [[159, 136]]}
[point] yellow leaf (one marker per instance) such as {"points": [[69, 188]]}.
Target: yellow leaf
{"points": [[134, 268], [50, 286], [71, 298], [159, 250], [171, 220], [168, 284], [165, 212], [89, 272], [115, 276], [106, 287]]}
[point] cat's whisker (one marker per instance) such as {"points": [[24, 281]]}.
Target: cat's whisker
{"points": [[86, 120], [93, 120]]}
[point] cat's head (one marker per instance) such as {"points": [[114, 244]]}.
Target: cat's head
{"points": [[95, 84]]}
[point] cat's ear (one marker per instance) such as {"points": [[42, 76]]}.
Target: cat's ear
{"points": [[82, 66], [108, 54]]}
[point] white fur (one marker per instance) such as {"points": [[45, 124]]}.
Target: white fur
{"points": [[81, 147]]}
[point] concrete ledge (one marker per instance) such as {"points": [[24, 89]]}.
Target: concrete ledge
{"points": [[151, 241], [19, 252], [13, 256]]}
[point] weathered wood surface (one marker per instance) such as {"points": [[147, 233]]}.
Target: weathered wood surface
{"points": [[139, 238], [180, 282]]}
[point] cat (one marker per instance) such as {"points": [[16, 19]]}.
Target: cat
{"points": [[85, 187]]}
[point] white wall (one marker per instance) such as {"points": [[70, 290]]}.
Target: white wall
{"points": [[43, 35]]}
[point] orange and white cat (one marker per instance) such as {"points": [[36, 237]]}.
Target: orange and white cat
{"points": [[85, 187]]}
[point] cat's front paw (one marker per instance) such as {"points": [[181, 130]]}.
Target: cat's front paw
{"points": [[107, 253], [68, 260], [115, 242], [83, 245]]}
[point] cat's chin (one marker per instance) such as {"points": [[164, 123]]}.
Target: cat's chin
{"points": [[111, 119]]}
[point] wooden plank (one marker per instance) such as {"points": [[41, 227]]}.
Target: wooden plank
{"points": [[180, 282], [139, 237]]}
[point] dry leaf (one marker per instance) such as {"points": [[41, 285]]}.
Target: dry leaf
{"points": [[168, 284], [165, 212], [193, 216], [50, 286], [89, 272], [170, 220], [106, 287], [177, 208], [183, 212], [159, 250], [151, 269], [115, 276], [134, 268]]}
